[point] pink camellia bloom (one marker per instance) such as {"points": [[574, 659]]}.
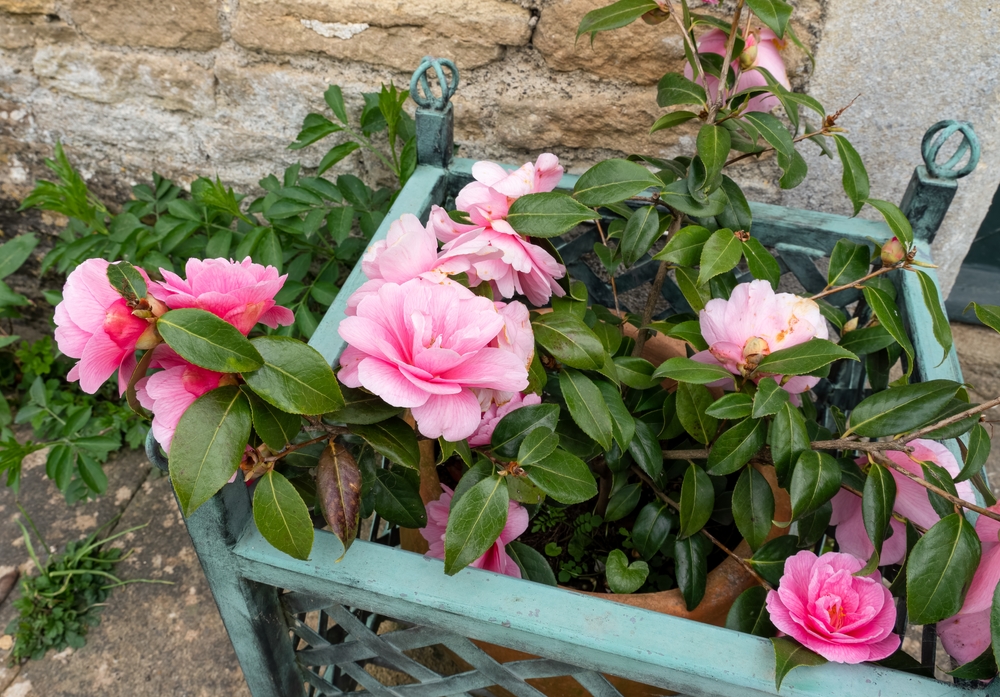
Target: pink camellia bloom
{"points": [[755, 322], [95, 324], [242, 293], [821, 604], [493, 415], [426, 347], [966, 635], [516, 337], [170, 391], [768, 56], [496, 558], [911, 502]]}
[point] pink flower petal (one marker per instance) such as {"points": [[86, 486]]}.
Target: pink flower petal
{"points": [[453, 417]]}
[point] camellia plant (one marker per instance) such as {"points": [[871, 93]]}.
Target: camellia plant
{"points": [[568, 448]]}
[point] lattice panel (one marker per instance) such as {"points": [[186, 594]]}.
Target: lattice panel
{"points": [[335, 643]]}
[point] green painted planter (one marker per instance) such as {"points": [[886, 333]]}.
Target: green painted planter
{"points": [[313, 623]]}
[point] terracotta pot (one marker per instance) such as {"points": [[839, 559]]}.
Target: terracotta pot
{"points": [[724, 584]]}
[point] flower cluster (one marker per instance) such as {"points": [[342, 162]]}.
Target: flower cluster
{"points": [[419, 339], [103, 329]]}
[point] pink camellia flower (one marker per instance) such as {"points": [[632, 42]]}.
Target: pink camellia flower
{"points": [[911, 502], [517, 338], [821, 604], [755, 322], [966, 635], [95, 324], [493, 415], [242, 293], [768, 56], [427, 347], [169, 392], [496, 558]]}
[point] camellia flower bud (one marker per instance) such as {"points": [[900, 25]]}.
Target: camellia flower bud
{"points": [[749, 55], [893, 252], [753, 351], [850, 325]]}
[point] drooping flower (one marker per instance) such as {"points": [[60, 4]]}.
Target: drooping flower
{"points": [[494, 413], [967, 634], [911, 502], [242, 293], [95, 324], [170, 391], [755, 322], [496, 558], [821, 604], [767, 56], [426, 347]]}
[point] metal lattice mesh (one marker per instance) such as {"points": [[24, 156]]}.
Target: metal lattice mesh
{"points": [[334, 644]]}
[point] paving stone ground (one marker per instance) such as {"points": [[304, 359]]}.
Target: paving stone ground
{"points": [[168, 640]]}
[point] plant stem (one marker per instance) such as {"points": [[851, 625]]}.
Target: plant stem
{"points": [[689, 41], [951, 419], [292, 447], [656, 288], [611, 273], [940, 492], [857, 284], [796, 139], [839, 444], [726, 60], [670, 502]]}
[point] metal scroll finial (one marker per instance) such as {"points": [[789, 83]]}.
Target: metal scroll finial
{"points": [[935, 138], [154, 453], [427, 99]]}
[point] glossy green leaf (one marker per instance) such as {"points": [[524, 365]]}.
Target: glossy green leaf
{"points": [[623, 502], [691, 567], [987, 314], [815, 481], [686, 370], [397, 499], [646, 450], [338, 492], [335, 155], [614, 16], [983, 667], [895, 219], [623, 577], [635, 372], [586, 406], [721, 252], [733, 406], [689, 331], [849, 261], [684, 246], [640, 232], [651, 528], [753, 507], [515, 426], [900, 409], [762, 265], [940, 570], [855, 177], [126, 281], [713, 146], [275, 427], [692, 404], [804, 358], [774, 13], [622, 422], [547, 214], [282, 516], [674, 118], [866, 340], [361, 407], [207, 341], [474, 524], [939, 321], [789, 654], [773, 131], [532, 564], [611, 181], [569, 340], [696, 294], [749, 613], [794, 170], [735, 447], [877, 501], [769, 560], [564, 477], [697, 501], [335, 100], [393, 438], [769, 398], [674, 88], [15, 252], [208, 445], [91, 473], [294, 377], [977, 452], [737, 214]]}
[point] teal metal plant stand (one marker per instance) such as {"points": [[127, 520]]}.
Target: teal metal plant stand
{"points": [[310, 627]]}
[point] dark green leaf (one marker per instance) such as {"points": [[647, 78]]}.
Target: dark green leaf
{"points": [[733, 406], [651, 528], [697, 501], [713, 148], [721, 253], [900, 409], [674, 118], [866, 340], [294, 377], [564, 477], [774, 13], [532, 564], [362, 407], [335, 100], [335, 155], [794, 170], [942, 330], [614, 16], [15, 252], [623, 577], [691, 565], [737, 214], [646, 451], [803, 359], [735, 447], [474, 524], [635, 372], [393, 438], [987, 314], [275, 427], [849, 261], [983, 667], [208, 445], [397, 499], [690, 332], [315, 127], [789, 654], [769, 560], [207, 341], [685, 245], [762, 265], [640, 232], [977, 452], [696, 294], [769, 398], [92, 473], [815, 480], [547, 214], [855, 177], [623, 502], [877, 501], [622, 422], [586, 406], [569, 340], [773, 131], [282, 516], [126, 280], [687, 370], [940, 569], [895, 219], [513, 428], [753, 507], [674, 88], [610, 181], [692, 403], [749, 613]]}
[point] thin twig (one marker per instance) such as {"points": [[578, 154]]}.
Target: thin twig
{"points": [[670, 502], [951, 419], [839, 444], [726, 60], [796, 139], [689, 41], [611, 272], [655, 288], [937, 490], [857, 284], [292, 447]]}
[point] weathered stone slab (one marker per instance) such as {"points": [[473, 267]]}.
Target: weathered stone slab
{"points": [[192, 24], [28, 6], [24, 31], [385, 32]]}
